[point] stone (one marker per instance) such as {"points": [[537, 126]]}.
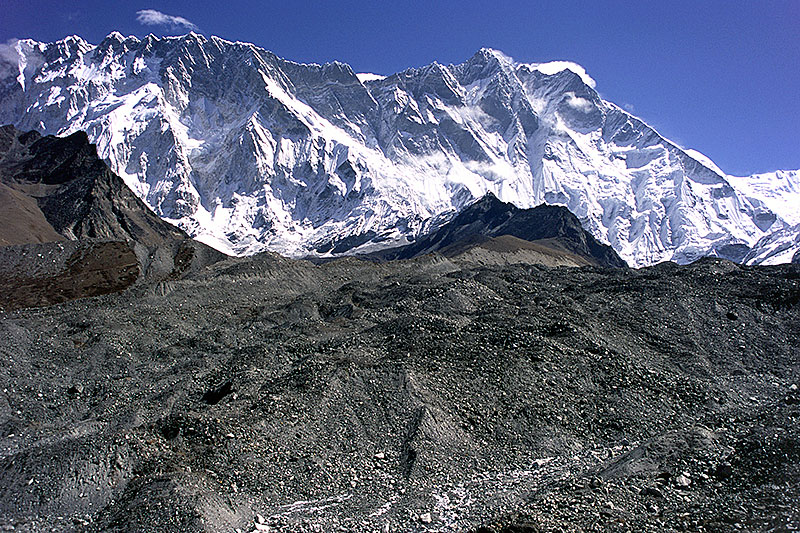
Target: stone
{"points": [[652, 491], [683, 480], [723, 471], [213, 396], [663, 476], [426, 518]]}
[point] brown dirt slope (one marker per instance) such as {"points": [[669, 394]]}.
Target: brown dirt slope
{"points": [[507, 249], [22, 220]]}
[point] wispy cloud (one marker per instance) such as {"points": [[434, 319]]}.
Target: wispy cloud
{"points": [[18, 59], [9, 59], [151, 17], [581, 104]]}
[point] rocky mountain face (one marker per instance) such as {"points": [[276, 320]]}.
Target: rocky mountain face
{"points": [[248, 152], [553, 228], [56, 189]]}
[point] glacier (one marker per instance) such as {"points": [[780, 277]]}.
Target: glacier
{"points": [[248, 152]]}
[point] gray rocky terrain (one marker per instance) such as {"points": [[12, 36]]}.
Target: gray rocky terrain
{"points": [[268, 394]]}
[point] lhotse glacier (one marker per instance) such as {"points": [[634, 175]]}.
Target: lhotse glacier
{"points": [[249, 152]]}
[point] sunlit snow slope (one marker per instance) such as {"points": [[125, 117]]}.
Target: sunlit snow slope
{"points": [[247, 151]]}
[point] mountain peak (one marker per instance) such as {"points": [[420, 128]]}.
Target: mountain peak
{"points": [[494, 53], [490, 56], [483, 64], [116, 36], [489, 202], [194, 36]]}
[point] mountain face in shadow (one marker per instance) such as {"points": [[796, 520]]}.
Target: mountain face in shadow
{"points": [[501, 227]]}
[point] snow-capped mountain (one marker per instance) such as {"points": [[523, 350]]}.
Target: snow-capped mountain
{"points": [[247, 151]]}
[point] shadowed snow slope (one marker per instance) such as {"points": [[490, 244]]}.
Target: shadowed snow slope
{"points": [[247, 151]]}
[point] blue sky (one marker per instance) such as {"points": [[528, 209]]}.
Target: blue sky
{"points": [[722, 77]]}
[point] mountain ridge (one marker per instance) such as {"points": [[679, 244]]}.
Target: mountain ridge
{"points": [[76, 192], [553, 228], [247, 151]]}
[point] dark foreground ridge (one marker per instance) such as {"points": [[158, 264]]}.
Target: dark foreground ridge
{"points": [[427, 395], [75, 194], [69, 227]]}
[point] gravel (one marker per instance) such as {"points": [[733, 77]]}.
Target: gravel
{"points": [[265, 394]]}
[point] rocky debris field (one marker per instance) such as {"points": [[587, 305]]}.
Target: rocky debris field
{"points": [[266, 394]]}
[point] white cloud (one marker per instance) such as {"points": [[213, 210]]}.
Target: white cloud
{"points": [[151, 17], [554, 67], [581, 104], [471, 114], [18, 57], [8, 51], [364, 77], [9, 59]]}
